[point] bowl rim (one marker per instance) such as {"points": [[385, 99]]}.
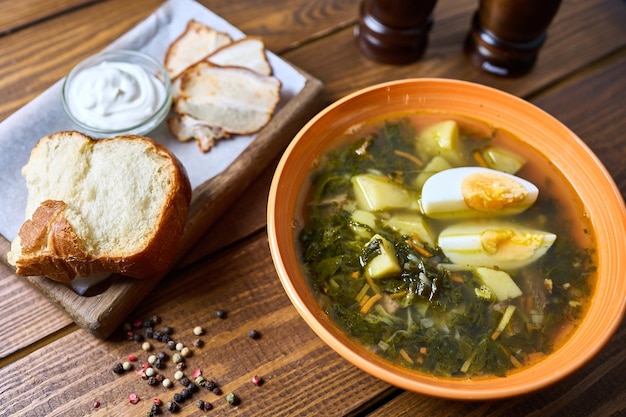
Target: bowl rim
{"points": [[140, 128], [425, 384]]}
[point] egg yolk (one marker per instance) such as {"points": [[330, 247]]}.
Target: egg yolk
{"points": [[507, 244], [491, 192]]}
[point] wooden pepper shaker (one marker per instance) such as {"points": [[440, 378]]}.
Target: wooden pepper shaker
{"points": [[506, 35], [394, 31]]}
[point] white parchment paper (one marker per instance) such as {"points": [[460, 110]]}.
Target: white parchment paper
{"points": [[45, 115]]}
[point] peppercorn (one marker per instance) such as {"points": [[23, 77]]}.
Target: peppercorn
{"points": [[186, 352], [192, 387], [96, 404], [178, 375], [162, 355], [232, 399], [138, 337], [118, 368], [180, 366], [177, 358], [155, 319], [149, 332], [172, 406], [157, 401], [165, 338], [178, 397], [171, 345], [146, 346], [167, 383], [133, 398], [217, 391], [152, 380], [198, 343], [184, 381], [159, 377], [198, 330], [154, 410], [254, 334], [150, 372], [204, 405], [132, 358], [200, 404], [156, 335], [221, 314], [167, 330], [151, 359], [200, 381], [257, 380], [148, 323], [137, 324], [185, 393], [158, 363], [210, 385]]}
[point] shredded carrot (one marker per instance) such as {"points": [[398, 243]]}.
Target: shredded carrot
{"points": [[364, 300], [424, 350], [365, 308], [420, 249], [399, 294], [370, 281], [495, 335], [479, 158], [405, 356], [355, 275], [515, 362], [456, 277], [410, 157]]}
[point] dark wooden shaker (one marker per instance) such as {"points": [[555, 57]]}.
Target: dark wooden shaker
{"points": [[394, 31], [506, 35]]}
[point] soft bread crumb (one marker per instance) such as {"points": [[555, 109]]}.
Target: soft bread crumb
{"points": [[121, 199]]}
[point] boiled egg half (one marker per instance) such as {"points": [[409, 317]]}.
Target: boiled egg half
{"points": [[492, 244], [476, 192]]}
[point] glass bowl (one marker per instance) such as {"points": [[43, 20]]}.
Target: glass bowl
{"points": [[118, 92]]}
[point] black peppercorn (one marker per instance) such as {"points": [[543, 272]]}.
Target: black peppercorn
{"points": [[217, 391], [155, 410], [221, 314], [200, 404], [137, 337], [167, 330], [192, 387], [148, 323], [172, 406], [162, 355], [152, 380], [156, 335], [210, 385], [178, 398], [198, 343], [171, 345], [158, 363], [186, 393], [118, 368], [165, 338], [254, 334], [184, 381], [149, 332]]}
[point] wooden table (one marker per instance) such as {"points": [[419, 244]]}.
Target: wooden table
{"points": [[50, 366]]}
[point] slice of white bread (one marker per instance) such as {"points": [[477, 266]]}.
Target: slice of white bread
{"points": [[111, 205]]}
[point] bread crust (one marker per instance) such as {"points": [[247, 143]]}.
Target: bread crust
{"points": [[49, 246]]}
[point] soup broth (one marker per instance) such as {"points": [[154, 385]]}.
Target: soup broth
{"points": [[434, 289]]}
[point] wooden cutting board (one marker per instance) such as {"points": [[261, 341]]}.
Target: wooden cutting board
{"points": [[103, 308]]}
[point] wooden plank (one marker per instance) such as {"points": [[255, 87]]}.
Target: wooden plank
{"points": [[46, 52], [68, 375], [19, 14], [26, 314], [582, 33]]}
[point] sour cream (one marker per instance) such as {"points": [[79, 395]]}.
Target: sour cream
{"points": [[115, 95]]}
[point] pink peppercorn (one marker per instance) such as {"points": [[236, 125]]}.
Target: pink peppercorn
{"points": [[132, 358], [133, 398], [257, 380], [197, 373], [96, 404], [157, 401]]}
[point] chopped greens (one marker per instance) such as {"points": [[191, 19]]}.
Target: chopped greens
{"points": [[431, 316]]}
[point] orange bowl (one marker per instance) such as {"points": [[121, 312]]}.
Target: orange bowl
{"points": [[537, 131]]}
